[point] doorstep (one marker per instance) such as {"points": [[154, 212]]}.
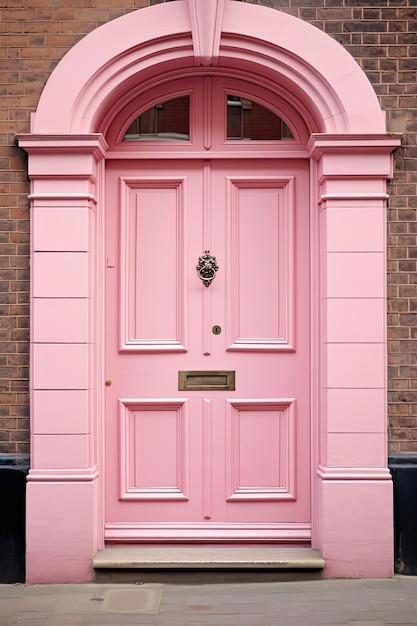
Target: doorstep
{"points": [[194, 564]]}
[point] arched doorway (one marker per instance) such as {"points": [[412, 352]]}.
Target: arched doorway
{"points": [[208, 413], [328, 257]]}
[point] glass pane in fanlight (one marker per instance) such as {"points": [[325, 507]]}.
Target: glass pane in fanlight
{"points": [[168, 121], [248, 120]]}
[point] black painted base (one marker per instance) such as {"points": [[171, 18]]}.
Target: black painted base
{"points": [[404, 475], [13, 472]]}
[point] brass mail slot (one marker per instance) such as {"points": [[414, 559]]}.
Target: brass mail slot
{"points": [[200, 380]]}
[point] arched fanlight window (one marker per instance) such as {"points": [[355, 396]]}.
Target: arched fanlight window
{"points": [[248, 120]]}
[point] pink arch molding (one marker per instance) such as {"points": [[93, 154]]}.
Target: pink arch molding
{"points": [[308, 66], [350, 160]]}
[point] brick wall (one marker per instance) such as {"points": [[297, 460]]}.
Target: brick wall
{"points": [[35, 34]]}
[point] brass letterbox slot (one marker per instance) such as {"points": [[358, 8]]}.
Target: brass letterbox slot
{"points": [[206, 380]]}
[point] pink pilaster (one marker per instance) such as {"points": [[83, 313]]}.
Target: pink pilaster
{"points": [[63, 505], [354, 492]]}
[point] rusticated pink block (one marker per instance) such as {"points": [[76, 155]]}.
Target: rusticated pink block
{"points": [[60, 275], [61, 532], [357, 528], [356, 450], [355, 320], [60, 366], [67, 176], [353, 192], [355, 365], [61, 451], [356, 410], [60, 320], [352, 164], [61, 230], [60, 412], [355, 275], [355, 229]]}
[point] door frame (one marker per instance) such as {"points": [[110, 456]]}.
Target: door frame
{"points": [[350, 157]]}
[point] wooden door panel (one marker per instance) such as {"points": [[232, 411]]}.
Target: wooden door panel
{"points": [[260, 268], [154, 456], [269, 426], [220, 463], [153, 293]]}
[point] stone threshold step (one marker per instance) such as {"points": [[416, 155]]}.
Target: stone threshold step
{"points": [[218, 558]]}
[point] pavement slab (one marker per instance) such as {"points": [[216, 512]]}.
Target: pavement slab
{"points": [[299, 603]]}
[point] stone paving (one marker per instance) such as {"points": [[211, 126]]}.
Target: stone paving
{"points": [[315, 603]]}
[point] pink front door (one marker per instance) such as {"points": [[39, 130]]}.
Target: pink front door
{"points": [[208, 418]]}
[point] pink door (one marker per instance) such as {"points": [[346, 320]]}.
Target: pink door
{"points": [[207, 425]]}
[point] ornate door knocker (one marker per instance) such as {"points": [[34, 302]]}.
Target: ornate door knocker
{"points": [[207, 268]]}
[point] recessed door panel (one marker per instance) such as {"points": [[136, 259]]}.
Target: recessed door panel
{"points": [[153, 467], [269, 425], [190, 454], [261, 268], [152, 270]]}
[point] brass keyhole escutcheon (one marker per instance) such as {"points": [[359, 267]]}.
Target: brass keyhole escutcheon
{"points": [[216, 330]]}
